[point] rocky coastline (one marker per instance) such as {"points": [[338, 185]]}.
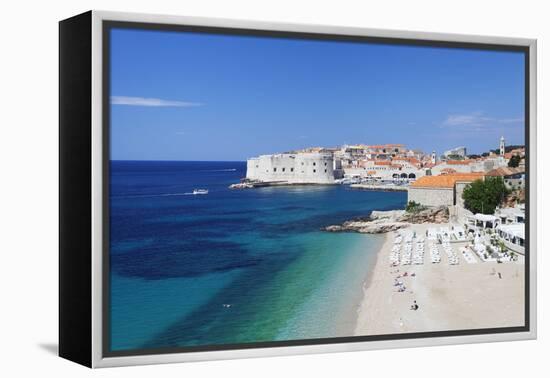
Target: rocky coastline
{"points": [[380, 187], [379, 222], [251, 184]]}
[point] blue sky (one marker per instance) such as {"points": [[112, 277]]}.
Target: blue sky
{"points": [[190, 96]]}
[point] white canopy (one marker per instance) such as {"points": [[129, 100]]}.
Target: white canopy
{"points": [[485, 217], [516, 230], [511, 212]]}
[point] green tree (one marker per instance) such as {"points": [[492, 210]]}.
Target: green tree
{"points": [[514, 161], [484, 196], [414, 207]]}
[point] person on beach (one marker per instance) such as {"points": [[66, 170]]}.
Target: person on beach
{"points": [[414, 306]]}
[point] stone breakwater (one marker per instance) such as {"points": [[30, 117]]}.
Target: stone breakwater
{"points": [[251, 184], [385, 221], [380, 187]]}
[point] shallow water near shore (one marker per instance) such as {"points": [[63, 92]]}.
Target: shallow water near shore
{"points": [[233, 266]]}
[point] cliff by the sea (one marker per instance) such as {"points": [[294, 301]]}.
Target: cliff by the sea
{"points": [[385, 221]]}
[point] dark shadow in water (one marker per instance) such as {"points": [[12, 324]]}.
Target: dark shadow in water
{"points": [[51, 348], [187, 259], [216, 323]]}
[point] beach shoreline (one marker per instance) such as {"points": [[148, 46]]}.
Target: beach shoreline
{"points": [[488, 300]]}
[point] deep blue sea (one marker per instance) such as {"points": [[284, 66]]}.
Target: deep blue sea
{"points": [[233, 266]]}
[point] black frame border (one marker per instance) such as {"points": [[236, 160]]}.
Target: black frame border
{"points": [[108, 25], [75, 189]]}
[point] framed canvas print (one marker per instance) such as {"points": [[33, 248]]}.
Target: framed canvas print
{"points": [[234, 189]]}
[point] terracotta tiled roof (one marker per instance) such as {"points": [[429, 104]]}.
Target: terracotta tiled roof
{"points": [[445, 181], [382, 162], [411, 160], [505, 171], [377, 146]]}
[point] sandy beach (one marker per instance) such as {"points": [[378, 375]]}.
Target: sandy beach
{"points": [[450, 297]]}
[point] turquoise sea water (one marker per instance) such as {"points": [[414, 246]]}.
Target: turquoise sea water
{"points": [[233, 266]]}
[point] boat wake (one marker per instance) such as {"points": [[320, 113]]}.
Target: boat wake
{"points": [[219, 170]]}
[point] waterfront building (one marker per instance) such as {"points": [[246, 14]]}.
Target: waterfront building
{"points": [[441, 190], [292, 168], [405, 169]]}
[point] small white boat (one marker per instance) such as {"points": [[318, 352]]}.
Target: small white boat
{"points": [[200, 191]]}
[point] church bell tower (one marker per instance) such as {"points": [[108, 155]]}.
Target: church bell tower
{"points": [[502, 146]]}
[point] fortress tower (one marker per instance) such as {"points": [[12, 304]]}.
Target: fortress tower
{"points": [[433, 157], [293, 168]]}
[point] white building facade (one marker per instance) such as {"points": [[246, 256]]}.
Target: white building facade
{"points": [[431, 196], [457, 151], [299, 168]]}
